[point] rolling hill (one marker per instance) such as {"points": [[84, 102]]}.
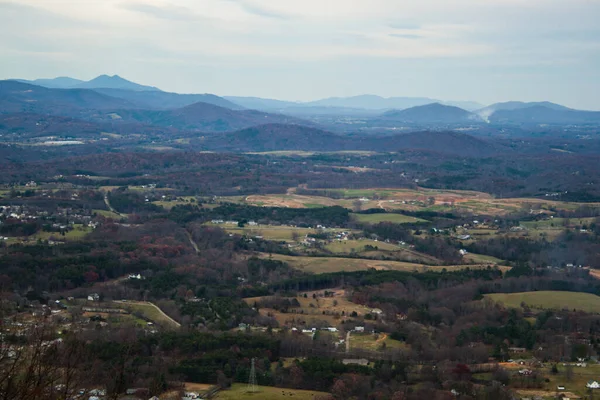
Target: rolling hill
{"points": [[18, 97], [447, 142], [431, 114], [544, 115], [159, 100], [102, 81], [204, 117], [62, 82], [356, 105], [113, 82], [279, 137], [273, 137]]}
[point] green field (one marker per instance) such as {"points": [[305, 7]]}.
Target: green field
{"points": [[319, 265], [557, 223], [371, 342], [147, 310], [272, 232], [386, 217], [549, 300], [240, 391], [358, 246], [77, 233], [109, 214], [483, 259]]}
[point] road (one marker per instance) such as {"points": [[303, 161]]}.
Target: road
{"points": [[108, 204], [348, 341], [192, 242]]}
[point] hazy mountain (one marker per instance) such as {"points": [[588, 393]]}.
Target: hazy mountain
{"points": [[539, 114], [22, 97], [62, 82], [102, 81], [257, 103], [372, 102], [466, 105], [155, 99], [204, 117], [316, 111], [430, 114], [113, 82], [486, 112]]}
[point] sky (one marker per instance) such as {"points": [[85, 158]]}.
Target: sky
{"points": [[479, 50]]}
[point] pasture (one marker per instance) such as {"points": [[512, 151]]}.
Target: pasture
{"points": [[374, 342], [319, 265], [549, 300], [314, 307], [386, 217], [239, 391]]}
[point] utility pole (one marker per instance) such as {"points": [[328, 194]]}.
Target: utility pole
{"points": [[252, 380]]}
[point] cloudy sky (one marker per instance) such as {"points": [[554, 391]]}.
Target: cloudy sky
{"points": [[483, 50]]}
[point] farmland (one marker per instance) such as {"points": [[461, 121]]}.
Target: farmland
{"points": [[240, 392], [338, 264], [148, 311], [277, 233], [313, 306], [374, 342], [421, 199], [550, 300], [386, 217]]}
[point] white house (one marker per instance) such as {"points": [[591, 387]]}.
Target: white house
{"points": [[593, 385]]}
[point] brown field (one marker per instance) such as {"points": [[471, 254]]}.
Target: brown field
{"points": [[197, 387]]}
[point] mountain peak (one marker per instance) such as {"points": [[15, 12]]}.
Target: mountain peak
{"points": [[114, 82], [431, 113]]}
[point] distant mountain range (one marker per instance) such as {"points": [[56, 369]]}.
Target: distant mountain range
{"points": [[100, 82], [116, 101], [364, 104]]}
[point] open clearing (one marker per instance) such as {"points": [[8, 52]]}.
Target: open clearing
{"points": [[411, 200], [281, 233], [149, 311], [374, 342], [319, 265], [550, 300], [109, 214], [348, 246], [386, 217], [240, 391], [313, 309]]}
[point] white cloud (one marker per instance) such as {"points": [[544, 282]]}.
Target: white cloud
{"points": [[154, 35]]}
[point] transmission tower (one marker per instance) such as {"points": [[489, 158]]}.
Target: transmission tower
{"points": [[252, 380]]}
